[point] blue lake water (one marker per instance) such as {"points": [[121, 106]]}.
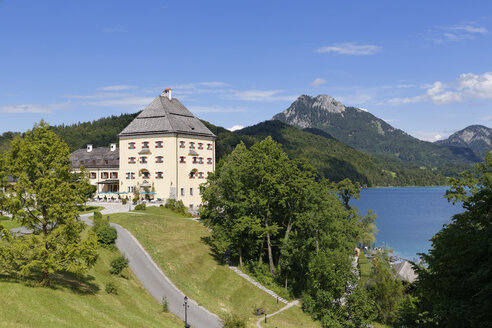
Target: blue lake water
{"points": [[407, 217]]}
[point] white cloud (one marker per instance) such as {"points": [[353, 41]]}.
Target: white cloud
{"points": [[117, 29], [33, 108], [116, 87], [235, 128], [319, 81], [123, 101], [430, 135], [262, 95], [487, 118], [457, 33], [479, 86], [351, 48], [204, 109], [470, 29]]}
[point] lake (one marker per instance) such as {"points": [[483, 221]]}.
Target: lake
{"points": [[407, 216]]}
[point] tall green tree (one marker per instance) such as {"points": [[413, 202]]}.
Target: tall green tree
{"points": [[44, 198], [384, 289], [455, 286], [227, 207]]}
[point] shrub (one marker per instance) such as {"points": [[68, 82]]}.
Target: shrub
{"points": [[176, 206], [234, 321], [123, 201], [106, 235], [135, 200], [118, 264], [140, 207], [111, 288], [165, 307], [97, 215]]}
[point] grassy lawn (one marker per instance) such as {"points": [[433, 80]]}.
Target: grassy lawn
{"points": [[176, 244], [290, 318], [70, 303], [365, 268], [89, 209], [8, 223]]}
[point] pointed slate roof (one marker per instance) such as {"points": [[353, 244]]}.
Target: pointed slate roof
{"points": [[165, 115]]}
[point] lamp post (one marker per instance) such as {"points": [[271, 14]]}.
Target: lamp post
{"points": [[130, 203], [186, 306]]}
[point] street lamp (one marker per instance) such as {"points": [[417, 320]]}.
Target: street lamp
{"points": [[186, 306]]}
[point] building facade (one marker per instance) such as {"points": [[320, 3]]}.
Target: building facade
{"points": [[165, 152]]}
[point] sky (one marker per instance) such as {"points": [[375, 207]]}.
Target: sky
{"points": [[423, 66]]}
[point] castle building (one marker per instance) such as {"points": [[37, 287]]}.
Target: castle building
{"points": [[165, 152]]}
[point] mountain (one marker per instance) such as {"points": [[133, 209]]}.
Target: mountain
{"points": [[476, 137], [364, 131]]}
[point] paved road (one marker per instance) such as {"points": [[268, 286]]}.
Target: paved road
{"points": [[152, 278]]}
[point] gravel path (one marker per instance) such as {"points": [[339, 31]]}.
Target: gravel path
{"points": [[288, 306]]}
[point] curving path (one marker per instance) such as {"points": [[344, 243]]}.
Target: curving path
{"points": [[152, 277], [288, 306]]}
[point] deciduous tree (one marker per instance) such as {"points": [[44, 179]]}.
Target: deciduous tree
{"points": [[44, 198]]}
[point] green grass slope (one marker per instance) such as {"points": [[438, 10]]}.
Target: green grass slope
{"points": [[71, 303], [177, 244]]}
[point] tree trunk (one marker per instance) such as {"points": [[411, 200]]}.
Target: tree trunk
{"points": [[289, 228], [45, 273], [270, 255], [286, 282], [241, 258]]}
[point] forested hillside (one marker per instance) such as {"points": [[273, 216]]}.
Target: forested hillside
{"points": [[331, 158]]}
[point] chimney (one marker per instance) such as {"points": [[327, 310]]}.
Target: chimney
{"points": [[89, 148], [167, 93], [112, 147]]}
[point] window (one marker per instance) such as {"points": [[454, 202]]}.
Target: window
{"points": [[158, 159], [200, 160], [200, 175], [182, 191], [192, 175], [181, 144], [131, 160], [191, 206], [93, 175], [114, 175], [192, 145], [195, 161], [130, 188], [191, 191], [104, 175], [182, 159], [209, 146], [145, 174], [143, 160], [81, 162], [200, 145], [131, 145], [158, 175], [209, 160], [145, 144], [130, 175], [106, 161], [158, 144]]}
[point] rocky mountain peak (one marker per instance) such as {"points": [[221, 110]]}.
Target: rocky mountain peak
{"points": [[306, 110], [476, 137], [474, 133]]}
